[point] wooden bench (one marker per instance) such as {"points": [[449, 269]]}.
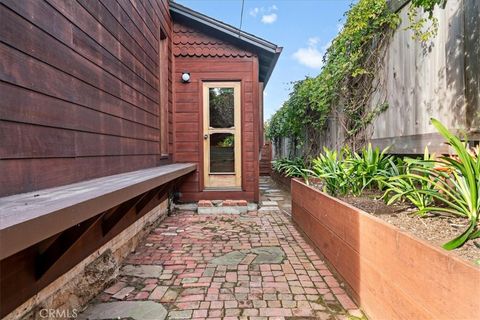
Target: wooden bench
{"points": [[28, 218]]}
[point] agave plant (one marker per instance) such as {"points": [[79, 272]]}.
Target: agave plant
{"points": [[292, 168], [370, 167], [403, 186], [457, 185], [331, 168]]}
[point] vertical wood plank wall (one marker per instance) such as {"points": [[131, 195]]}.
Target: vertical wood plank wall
{"points": [[433, 79], [79, 90], [216, 61], [419, 81]]}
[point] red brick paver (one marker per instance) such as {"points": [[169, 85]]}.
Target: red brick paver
{"points": [[185, 244]]}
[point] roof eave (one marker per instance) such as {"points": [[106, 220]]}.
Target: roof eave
{"points": [[266, 50], [223, 27], [272, 66]]}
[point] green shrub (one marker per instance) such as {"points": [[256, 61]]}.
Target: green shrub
{"points": [[457, 185], [370, 167], [331, 168], [403, 186], [350, 173], [347, 76], [295, 168]]}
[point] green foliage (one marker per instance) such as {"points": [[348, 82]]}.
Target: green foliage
{"points": [[347, 76], [349, 172], [332, 170], [295, 168], [403, 186], [448, 185], [457, 185], [370, 167], [424, 28], [227, 142], [348, 64]]}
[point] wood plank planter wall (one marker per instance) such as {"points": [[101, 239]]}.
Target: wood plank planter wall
{"points": [[391, 274], [281, 179]]}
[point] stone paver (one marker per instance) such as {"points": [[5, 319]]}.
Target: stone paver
{"points": [[269, 203], [142, 271], [254, 265]]}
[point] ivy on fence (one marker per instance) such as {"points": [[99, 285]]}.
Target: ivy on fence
{"points": [[346, 81]]}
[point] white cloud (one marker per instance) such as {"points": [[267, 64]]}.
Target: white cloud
{"points": [[254, 12], [312, 42], [269, 18], [310, 56]]}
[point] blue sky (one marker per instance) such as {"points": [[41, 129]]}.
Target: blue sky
{"points": [[303, 28]]}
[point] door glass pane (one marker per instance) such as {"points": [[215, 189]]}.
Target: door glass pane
{"points": [[221, 107], [222, 153]]}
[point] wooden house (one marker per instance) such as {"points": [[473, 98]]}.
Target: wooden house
{"points": [[106, 108], [218, 112]]}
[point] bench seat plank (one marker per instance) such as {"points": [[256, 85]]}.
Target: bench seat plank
{"points": [[27, 218]]}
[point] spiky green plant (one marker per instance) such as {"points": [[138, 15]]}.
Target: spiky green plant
{"points": [[292, 168], [370, 167], [403, 186], [457, 185], [330, 167]]}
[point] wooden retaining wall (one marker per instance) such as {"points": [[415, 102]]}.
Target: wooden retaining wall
{"points": [[390, 274]]}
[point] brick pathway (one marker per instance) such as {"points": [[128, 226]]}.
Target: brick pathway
{"points": [[253, 265]]}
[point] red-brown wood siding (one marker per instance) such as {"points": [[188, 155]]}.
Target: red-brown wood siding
{"points": [[80, 90], [213, 60]]}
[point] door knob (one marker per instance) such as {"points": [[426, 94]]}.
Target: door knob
{"points": [[205, 136]]}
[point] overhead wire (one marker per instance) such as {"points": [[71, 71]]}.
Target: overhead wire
{"points": [[241, 20]]}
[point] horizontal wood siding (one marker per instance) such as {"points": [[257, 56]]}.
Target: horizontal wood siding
{"points": [[80, 90]]}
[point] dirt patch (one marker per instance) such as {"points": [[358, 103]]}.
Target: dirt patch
{"points": [[437, 230]]}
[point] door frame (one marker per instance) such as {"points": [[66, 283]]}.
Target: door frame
{"points": [[222, 181]]}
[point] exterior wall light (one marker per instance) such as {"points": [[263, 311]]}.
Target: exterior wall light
{"points": [[186, 77]]}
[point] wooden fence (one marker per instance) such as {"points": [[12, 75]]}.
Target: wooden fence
{"points": [[437, 79]]}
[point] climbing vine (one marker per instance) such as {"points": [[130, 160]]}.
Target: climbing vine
{"points": [[424, 27], [346, 79]]}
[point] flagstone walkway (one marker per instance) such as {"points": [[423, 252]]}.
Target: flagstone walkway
{"points": [[254, 265]]}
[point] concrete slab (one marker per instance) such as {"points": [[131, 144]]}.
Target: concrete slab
{"points": [[137, 310], [141, 270], [276, 198], [268, 209], [252, 207], [272, 190], [186, 206], [223, 210], [269, 203]]}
